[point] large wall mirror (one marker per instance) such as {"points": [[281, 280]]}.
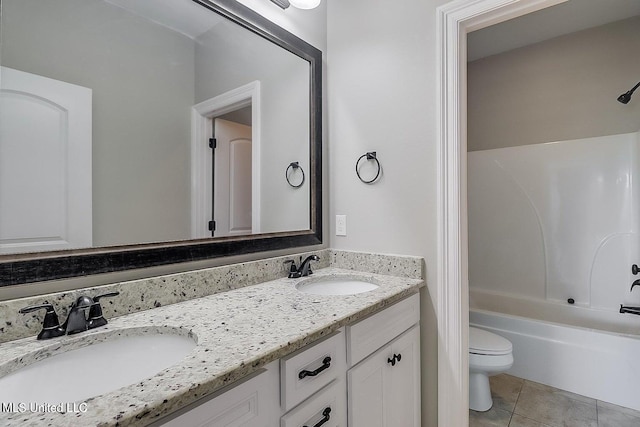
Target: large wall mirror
{"points": [[135, 133]]}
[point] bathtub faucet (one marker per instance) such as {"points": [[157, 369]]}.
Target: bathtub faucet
{"points": [[631, 310], [636, 283]]}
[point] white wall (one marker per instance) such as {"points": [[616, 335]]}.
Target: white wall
{"points": [[382, 91]]}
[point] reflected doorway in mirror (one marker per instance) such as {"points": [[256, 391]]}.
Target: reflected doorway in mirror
{"points": [[202, 188], [232, 210]]}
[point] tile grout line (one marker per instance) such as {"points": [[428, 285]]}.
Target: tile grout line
{"points": [[513, 411], [518, 398]]}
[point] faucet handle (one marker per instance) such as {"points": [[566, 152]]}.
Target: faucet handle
{"points": [[51, 324], [293, 270], [107, 295], [96, 318]]}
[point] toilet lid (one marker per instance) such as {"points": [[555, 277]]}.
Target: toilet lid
{"points": [[485, 342]]}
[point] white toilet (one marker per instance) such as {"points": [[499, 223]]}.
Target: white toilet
{"points": [[489, 354]]}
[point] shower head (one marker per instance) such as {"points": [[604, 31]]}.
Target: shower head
{"points": [[626, 97]]}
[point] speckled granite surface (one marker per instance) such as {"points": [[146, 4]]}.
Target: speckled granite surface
{"points": [[394, 265], [237, 333], [145, 294]]}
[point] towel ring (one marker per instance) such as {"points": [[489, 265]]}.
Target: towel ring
{"points": [[294, 166], [370, 156]]}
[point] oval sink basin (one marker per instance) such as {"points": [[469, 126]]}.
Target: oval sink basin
{"points": [[335, 286], [95, 369]]}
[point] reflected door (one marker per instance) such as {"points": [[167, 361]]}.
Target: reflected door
{"points": [[45, 164], [232, 179]]}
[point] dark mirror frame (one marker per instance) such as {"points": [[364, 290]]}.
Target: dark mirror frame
{"points": [[16, 269]]}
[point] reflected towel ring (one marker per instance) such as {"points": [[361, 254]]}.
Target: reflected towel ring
{"points": [[294, 166], [370, 156]]}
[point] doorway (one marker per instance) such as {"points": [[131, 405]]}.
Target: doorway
{"points": [[231, 174], [454, 20], [225, 164]]}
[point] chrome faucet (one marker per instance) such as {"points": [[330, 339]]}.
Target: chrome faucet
{"points": [[304, 269], [77, 321]]}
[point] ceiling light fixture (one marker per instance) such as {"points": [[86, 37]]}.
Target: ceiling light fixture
{"points": [[305, 4], [300, 4]]}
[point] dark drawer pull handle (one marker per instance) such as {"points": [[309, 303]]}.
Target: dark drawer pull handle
{"points": [[326, 418], [326, 363], [394, 359]]}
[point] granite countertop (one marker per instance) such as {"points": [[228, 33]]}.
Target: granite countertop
{"points": [[237, 332]]}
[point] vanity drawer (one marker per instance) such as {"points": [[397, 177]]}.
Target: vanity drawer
{"points": [[308, 370], [328, 405], [368, 335]]}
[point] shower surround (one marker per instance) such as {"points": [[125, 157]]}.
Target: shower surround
{"points": [[553, 232], [556, 221]]}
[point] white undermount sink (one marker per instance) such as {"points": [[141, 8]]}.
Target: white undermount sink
{"points": [[95, 369], [336, 285]]}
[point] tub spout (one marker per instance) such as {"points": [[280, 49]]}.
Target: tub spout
{"points": [[630, 310], [635, 283]]}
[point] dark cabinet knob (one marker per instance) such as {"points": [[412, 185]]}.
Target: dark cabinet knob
{"points": [[393, 360]]}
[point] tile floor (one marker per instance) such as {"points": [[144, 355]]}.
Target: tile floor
{"points": [[523, 403]]}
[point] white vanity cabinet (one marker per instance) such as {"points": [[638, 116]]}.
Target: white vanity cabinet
{"points": [[384, 387], [305, 388], [252, 402], [366, 374]]}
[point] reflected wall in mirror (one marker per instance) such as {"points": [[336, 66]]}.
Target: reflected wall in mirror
{"points": [[141, 66], [153, 123]]}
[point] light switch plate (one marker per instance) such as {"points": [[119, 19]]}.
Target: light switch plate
{"points": [[341, 225]]}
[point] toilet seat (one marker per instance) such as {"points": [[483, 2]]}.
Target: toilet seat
{"points": [[487, 343], [489, 354]]}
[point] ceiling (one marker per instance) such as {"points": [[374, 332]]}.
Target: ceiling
{"points": [[183, 16], [565, 18]]}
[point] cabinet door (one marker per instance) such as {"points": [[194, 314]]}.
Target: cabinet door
{"points": [[386, 395], [404, 381], [253, 403]]}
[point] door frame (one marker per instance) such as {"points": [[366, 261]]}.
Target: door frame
{"points": [[201, 114], [454, 20]]}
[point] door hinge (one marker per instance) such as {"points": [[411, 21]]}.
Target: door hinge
{"points": [[213, 143], [212, 226]]}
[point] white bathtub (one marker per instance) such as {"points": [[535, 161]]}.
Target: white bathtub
{"points": [[590, 352]]}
